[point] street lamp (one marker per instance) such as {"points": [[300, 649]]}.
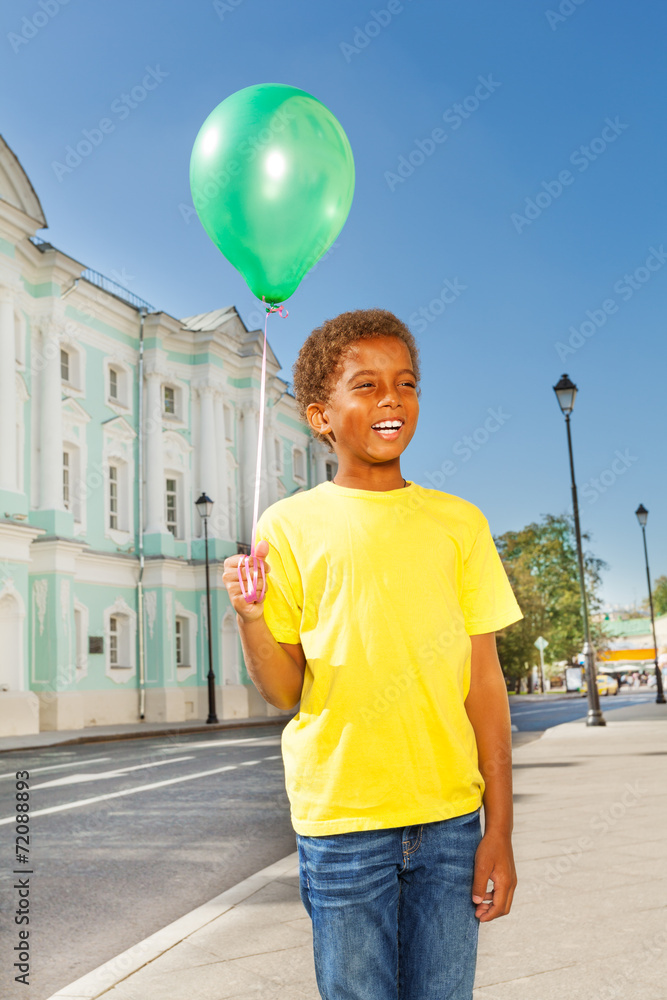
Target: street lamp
{"points": [[205, 505], [642, 517], [566, 392]]}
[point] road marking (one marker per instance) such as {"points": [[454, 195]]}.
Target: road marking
{"points": [[266, 740], [72, 779], [556, 708], [54, 767], [131, 791]]}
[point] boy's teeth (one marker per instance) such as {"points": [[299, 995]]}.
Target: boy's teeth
{"points": [[388, 425]]}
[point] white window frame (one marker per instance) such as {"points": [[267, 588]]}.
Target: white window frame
{"points": [[166, 388], [118, 452], [176, 478], [113, 384], [74, 383], [330, 467], [65, 365], [126, 621], [189, 642], [122, 403], [279, 451], [113, 485], [67, 469]]}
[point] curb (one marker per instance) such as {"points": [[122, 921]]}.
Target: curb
{"points": [[138, 734], [105, 977]]}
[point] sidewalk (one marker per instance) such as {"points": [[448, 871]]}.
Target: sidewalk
{"points": [[587, 921], [130, 731]]}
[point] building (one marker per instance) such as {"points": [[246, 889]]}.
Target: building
{"points": [[631, 645], [114, 417]]}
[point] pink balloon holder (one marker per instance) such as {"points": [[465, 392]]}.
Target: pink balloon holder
{"points": [[250, 594]]}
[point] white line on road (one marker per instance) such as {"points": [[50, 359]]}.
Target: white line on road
{"points": [[54, 767], [73, 779], [133, 791]]}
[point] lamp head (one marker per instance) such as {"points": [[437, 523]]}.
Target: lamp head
{"points": [[642, 515], [566, 392], [204, 505]]}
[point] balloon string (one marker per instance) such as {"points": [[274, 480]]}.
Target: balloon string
{"points": [[260, 439]]}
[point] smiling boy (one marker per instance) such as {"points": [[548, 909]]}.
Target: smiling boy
{"points": [[382, 603]]}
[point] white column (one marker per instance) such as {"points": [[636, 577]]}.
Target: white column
{"points": [[223, 472], [8, 454], [248, 460], [208, 466], [51, 424], [153, 456]]}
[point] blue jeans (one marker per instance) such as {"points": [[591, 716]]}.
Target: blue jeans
{"points": [[392, 910]]}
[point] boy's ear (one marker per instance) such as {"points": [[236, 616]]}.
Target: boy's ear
{"points": [[318, 420]]}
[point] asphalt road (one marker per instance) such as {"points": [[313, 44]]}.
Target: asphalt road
{"points": [[109, 873], [535, 713]]}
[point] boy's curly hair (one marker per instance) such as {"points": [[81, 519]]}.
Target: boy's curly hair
{"points": [[314, 371]]}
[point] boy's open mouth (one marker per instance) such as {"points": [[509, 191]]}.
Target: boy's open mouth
{"points": [[388, 429]]}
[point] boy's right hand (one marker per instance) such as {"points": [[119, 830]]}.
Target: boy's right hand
{"points": [[249, 612]]}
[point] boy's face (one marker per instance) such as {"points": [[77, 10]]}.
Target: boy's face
{"points": [[374, 383]]}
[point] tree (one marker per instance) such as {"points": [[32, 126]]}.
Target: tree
{"points": [[660, 596], [542, 566]]}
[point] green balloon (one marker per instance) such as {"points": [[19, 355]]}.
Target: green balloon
{"points": [[272, 181]]}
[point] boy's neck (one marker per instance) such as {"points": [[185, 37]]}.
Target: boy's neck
{"points": [[379, 479]]}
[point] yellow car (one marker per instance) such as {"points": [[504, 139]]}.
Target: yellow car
{"points": [[607, 684]]}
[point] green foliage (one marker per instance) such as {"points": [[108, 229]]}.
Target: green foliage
{"points": [[660, 596], [542, 566]]}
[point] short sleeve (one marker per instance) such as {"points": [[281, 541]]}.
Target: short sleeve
{"points": [[487, 598], [282, 608]]}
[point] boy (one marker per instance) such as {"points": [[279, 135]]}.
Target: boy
{"points": [[380, 613]]}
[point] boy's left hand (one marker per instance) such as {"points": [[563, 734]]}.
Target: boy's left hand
{"points": [[494, 860]]}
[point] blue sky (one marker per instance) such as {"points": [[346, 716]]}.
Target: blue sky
{"points": [[580, 90]]}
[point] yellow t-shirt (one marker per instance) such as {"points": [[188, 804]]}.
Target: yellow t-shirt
{"points": [[382, 590]]}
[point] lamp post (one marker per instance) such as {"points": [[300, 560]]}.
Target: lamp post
{"points": [[566, 392], [205, 505], [642, 517]]}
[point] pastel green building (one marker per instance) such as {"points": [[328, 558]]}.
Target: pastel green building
{"points": [[114, 417]]}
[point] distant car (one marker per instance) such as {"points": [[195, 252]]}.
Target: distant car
{"points": [[607, 684]]}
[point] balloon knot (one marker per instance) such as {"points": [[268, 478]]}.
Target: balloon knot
{"points": [[272, 307]]}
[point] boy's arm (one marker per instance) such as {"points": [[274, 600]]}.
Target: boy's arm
{"points": [[488, 710], [275, 668]]}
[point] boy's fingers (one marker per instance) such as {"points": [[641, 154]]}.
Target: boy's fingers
{"points": [[262, 549]]}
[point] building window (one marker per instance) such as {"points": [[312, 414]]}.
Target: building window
{"points": [[113, 496], [172, 507], [113, 384], [169, 400], [113, 641], [278, 445], [64, 365], [66, 480], [299, 464], [330, 471], [182, 642]]}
